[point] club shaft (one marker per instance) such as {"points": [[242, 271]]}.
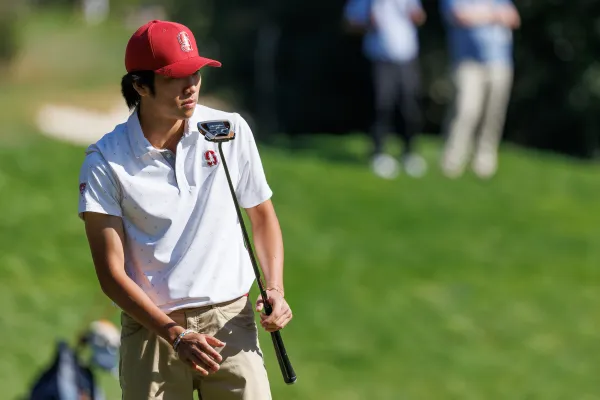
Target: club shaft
{"points": [[289, 376]]}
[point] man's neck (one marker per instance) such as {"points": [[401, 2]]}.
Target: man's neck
{"points": [[162, 133]]}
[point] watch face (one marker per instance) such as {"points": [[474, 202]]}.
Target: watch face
{"points": [[216, 131]]}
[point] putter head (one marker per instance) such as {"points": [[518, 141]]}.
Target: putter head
{"points": [[216, 131]]}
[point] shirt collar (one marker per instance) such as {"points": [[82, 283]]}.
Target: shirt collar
{"points": [[141, 146]]}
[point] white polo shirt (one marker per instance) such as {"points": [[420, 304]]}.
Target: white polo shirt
{"points": [[183, 241]]}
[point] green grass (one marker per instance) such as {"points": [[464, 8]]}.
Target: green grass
{"points": [[409, 289], [406, 289], [59, 48]]}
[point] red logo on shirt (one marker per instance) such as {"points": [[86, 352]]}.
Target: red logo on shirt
{"points": [[211, 158], [82, 187]]}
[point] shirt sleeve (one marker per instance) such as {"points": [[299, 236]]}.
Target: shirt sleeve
{"points": [[252, 188], [98, 189], [448, 8], [357, 11]]}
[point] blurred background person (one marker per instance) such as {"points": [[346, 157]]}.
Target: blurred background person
{"points": [[481, 44], [391, 44]]}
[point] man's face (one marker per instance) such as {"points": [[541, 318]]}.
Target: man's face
{"points": [[174, 98]]}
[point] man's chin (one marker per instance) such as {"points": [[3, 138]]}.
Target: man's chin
{"points": [[188, 112]]}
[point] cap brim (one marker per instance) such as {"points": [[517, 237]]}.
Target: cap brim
{"points": [[187, 67]]}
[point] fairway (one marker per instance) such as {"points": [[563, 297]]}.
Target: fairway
{"points": [[406, 289]]}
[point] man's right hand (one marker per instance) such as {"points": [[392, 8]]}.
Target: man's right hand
{"points": [[508, 16], [198, 350]]}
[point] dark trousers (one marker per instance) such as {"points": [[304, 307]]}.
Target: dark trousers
{"points": [[396, 90]]}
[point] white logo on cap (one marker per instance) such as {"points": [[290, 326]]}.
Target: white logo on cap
{"points": [[184, 41]]}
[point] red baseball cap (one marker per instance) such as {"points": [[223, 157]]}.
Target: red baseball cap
{"points": [[167, 48]]}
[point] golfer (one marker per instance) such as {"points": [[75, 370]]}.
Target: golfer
{"points": [[165, 238]]}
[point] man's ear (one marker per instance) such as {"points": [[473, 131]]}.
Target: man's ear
{"points": [[142, 90]]}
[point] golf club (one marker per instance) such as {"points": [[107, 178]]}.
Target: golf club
{"points": [[219, 131]]}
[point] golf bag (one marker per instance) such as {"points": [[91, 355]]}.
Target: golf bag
{"points": [[67, 378]]}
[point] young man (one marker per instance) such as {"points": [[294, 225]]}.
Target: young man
{"points": [[165, 238], [480, 39], [391, 44]]}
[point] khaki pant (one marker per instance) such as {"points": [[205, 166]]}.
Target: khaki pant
{"points": [[481, 97], [150, 369]]}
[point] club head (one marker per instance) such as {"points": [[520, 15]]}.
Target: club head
{"points": [[216, 131]]}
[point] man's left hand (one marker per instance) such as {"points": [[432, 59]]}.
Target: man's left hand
{"points": [[509, 17], [281, 315]]}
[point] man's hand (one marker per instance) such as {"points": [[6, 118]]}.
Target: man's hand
{"points": [[281, 315], [418, 16], [197, 350], [475, 15], [508, 16]]}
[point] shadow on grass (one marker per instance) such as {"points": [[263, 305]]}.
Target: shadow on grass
{"points": [[343, 149]]}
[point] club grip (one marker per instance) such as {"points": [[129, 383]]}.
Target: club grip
{"points": [[289, 376]]}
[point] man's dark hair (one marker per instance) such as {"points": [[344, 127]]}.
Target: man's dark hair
{"points": [[142, 78]]}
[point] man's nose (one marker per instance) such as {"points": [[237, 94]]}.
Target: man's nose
{"points": [[190, 84]]}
